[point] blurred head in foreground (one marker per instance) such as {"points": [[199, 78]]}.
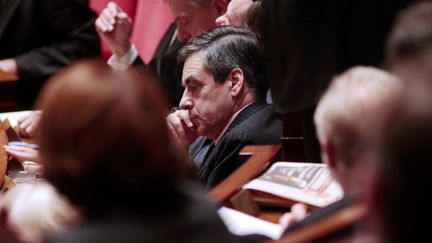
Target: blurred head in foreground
{"points": [[349, 120], [104, 141]]}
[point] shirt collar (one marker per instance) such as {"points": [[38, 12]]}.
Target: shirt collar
{"points": [[216, 141]]}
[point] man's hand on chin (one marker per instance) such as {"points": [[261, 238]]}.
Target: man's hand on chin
{"points": [[181, 127]]}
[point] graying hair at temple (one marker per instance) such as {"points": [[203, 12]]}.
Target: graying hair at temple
{"points": [[227, 47]]}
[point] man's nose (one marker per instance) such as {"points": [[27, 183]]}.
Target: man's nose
{"points": [[186, 103]]}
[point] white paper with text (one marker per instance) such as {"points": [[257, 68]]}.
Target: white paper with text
{"points": [[309, 183]]}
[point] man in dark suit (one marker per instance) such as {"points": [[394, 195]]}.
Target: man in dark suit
{"points": [[192, 17], [37, 38], [225, 87]]}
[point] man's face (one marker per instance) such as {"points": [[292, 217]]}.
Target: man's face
{"points": [[210, 104], [191, 20], [235, 14]]}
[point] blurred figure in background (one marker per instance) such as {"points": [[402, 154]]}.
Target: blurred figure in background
{"points": [[308, 42], [235, 14], [400, 203], [37, 38], [106, 147], [409, 44], [35, 211], [192, 17]]}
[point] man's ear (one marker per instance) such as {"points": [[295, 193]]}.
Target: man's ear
{"points": [[328, 153], [236, 80], [221, 6]]}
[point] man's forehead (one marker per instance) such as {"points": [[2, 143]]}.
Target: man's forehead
{"points": [[194, 68]]}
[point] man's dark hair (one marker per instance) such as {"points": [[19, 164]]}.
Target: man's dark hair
{"points": [[227, 47]]}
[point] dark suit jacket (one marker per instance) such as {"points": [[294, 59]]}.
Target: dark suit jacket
{"points": [[256, 124], [165, 67], [44, 36], [193, 221], [310, 41]]}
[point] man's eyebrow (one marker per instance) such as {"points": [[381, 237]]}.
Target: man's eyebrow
{"points": [[180, 18], [190, 80]]}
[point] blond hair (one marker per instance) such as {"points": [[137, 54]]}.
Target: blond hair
{"points": [[351, 112]]}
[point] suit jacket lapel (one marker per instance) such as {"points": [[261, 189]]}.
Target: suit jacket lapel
{"points": [[7, 8], [246, 113], [242, 116]]}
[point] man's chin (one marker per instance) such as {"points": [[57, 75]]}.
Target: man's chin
{"points": [[202, 131]]}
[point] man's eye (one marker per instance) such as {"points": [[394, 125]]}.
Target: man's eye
{"points": [[194, 88], [183, 22]]}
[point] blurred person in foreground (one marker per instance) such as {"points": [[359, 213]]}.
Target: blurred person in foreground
{"points": [[106, 147], [400, 199], [35, 211], [350, 119]]}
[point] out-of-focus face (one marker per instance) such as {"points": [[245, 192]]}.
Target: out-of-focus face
{"points": [[235, 14], [192, 20], [210, 104]]}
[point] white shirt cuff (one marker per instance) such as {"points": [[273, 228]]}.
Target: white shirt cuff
{"points": [[123, 63]]}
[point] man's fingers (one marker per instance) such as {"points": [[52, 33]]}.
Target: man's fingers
{"points": [[22, 153], [23, 133], [174, 133], [24, 117], [106, 20], [25, 123], [287, 220], [29, 124], [184, 116], [183, 126], [299, 210], [122, 16], [15, 148], [31, 129], [100, 26], [107, 17], [176, 124], [114, 8]]}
